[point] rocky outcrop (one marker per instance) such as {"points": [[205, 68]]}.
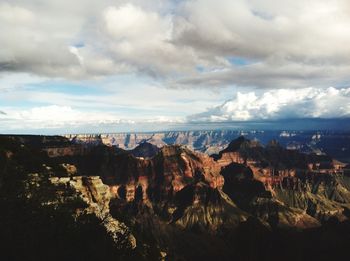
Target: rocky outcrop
{"points": [[205, 208], [182, 186], [205, 141], [214, 141], [173, 168], [97, 196], [145, 150], [277, 214], [322, 196], [277, 185]]}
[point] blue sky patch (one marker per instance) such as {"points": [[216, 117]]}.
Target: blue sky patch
{"points": [[239, 61]]}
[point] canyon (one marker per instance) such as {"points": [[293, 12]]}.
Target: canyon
{"points": [[152, 200], [334, 143]]}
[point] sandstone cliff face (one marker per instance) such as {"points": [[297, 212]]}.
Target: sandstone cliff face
{"points": [[201, 207], [277, 186], [97, 196], [322, 196], [278, 214], [212, 142], [205, 141], [169, 171], [251, 195], [183, 186], [145, 150]]}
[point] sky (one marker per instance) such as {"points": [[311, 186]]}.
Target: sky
{"points": [[114, 65]]}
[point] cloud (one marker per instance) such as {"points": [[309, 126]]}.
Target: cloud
{"points": [[294, 30], [102, 38], [126, 96], [16, 81], [184, 44], [270, 76], [53, 116], [280, 104], [64, 118], [142, 39], [30, 42], [285, 44]]}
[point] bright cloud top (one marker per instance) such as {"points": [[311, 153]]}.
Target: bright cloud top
{"points": [[281, 104]]}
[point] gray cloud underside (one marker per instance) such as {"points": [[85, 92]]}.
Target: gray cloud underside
{"points": [[278, 44]]}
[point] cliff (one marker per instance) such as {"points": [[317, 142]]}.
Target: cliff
{"points": [[335, 143], [278, 185], [97, 197], [172, 202]]}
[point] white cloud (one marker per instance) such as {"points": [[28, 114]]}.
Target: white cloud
{"points": [[129, 22], [143, 38], [282, 44], [138, 100], [16, 81], [291, 29], [65, 117], [281, 104], [245, 106], [52, 116]]}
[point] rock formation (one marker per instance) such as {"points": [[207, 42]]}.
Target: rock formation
{"points": [[171, 201], [97, 196]]}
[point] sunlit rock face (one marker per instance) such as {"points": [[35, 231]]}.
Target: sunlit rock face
{"points": [[97, 196], [211, 142], [205, 141], [278, 185], [169, 171], [202, 207]]}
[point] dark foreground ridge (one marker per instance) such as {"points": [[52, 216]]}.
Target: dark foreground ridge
{"points": [[64, 199]]}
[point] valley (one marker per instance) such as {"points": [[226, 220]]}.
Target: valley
{"points": [[158, 201]]}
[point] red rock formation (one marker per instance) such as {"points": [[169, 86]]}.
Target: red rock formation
{"points": [[229, 157], [171, 169]]}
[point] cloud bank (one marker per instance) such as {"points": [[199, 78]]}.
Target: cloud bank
{"points": [[280, 104], [196, 43], [64, 119]]}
